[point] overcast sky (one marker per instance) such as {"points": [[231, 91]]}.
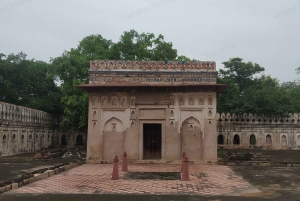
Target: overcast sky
{"points": [[266, 32]]}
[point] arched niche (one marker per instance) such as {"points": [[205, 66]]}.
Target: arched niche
{"points": [[220, 139], [79, 140], [4, 142], [252, 139], [236, 139], [283, 140], [191, 121], [22, 141], [113, 124], [63, 140], [189, 118], [298, 140], [191, 138], [268, 140]]}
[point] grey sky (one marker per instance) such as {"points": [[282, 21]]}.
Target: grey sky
{"points": [[266, 32]]}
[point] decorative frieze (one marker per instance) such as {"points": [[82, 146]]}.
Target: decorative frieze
{"points": [[152, 65]]}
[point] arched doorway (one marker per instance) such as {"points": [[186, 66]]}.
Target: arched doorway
{"points": [[63, 140], [252, 139], [298, 140], [14, 143], [79, 140], [220, 139], [236, 139], [4, 142]]}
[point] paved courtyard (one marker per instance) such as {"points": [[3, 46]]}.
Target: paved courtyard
{"points": [[96, 179]]}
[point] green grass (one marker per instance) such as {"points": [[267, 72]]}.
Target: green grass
{"points": [[221, 153]]}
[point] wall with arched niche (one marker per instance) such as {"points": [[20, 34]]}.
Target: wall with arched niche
{"points": [[191, 138], [25, 130], [271, 132], [113, 137]]}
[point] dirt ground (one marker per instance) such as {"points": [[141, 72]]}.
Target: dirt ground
{"points": [[12, 167], [276, 183], [276, 156]]}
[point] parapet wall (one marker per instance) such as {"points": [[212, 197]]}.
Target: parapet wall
{"points": [[258, 131], [24, 129], [10, 112], [151, 65]]}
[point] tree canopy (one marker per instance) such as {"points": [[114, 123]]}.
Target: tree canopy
{"points": [[27, 83], [247, 92]]}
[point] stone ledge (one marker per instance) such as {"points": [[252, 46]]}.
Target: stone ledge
{"points": [[39, 174], [14, 186], [259, 163]]}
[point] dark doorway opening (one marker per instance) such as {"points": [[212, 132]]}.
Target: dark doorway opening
{"points": [[79, 140], [152, 141], [236, 139], [63, 140], [220, 139], [252, 139]]}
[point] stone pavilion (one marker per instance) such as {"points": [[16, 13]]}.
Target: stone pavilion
{"points": [[153, 110]]}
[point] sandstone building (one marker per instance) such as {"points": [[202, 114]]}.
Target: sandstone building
{"points": [[154, 110]]}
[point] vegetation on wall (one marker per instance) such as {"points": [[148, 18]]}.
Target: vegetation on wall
{"points": [[51, 87]]}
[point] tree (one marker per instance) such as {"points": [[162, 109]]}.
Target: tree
{"points": [[144, 46], [248, 94], [27, 83], [71, 68], [229, 100], [266, 97], [292, 90], [239, 72], [183, 58]]}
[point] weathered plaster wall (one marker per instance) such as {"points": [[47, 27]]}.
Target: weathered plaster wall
{"points": [[25, 130], [187, 124], [262, 132]]}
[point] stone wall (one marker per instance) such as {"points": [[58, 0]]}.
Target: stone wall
{"points": [[25, 130], [258, 131]]}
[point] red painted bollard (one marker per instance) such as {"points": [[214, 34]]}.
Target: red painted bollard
{"points": [[115, 173], [182, 159], [185, 170], [124, 164]]}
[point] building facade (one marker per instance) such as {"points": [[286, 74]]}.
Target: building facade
{"points": [[153, 110], [25, 129], [258, 131]]}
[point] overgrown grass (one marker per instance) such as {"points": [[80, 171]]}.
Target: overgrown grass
{"points": [[221, 153]]}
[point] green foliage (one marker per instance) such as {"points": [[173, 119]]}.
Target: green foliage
{"points": [[144, 46], [266, 96], [221, 153], [239, 72], [71, 68], [259, 95], [182, 58], [27, 83]]}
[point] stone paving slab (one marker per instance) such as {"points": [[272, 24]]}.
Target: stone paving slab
{"points": [[96, 179]]}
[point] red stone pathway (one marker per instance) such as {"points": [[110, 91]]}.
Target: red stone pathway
{"points": [[96, 179]]}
